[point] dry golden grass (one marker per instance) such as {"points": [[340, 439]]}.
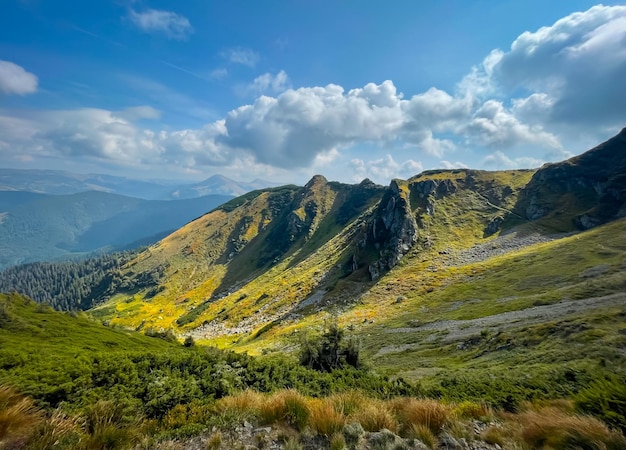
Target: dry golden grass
{"points": [[287, 405], [427, 412], [57, 428], [376, 415], [18, 415], [215, 441], [324, 419], [349, 402], [553, 428], [337, 442], [244, 402]]}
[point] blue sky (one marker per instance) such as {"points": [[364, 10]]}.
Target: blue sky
{"points": [[284, 90]]}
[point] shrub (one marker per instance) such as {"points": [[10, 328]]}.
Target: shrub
{"points": [[605, 399], [472, 410], [330, 351]]}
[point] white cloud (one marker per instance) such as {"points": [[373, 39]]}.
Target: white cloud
{"points": [[384, 169], [244, 56], [494, 126], [15, 80], [174, 26], [453, 165], [268, 84], [554, 83], [499, 160], [579, 62]]}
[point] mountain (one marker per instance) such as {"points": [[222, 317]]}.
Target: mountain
{"points": [[486, 280], [447, 269], [217, 184], [36, 227], [58, 182]]}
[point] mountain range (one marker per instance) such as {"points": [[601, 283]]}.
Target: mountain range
{"points": [[41, 227], [505, 289], [63, 183], [441, 269]]}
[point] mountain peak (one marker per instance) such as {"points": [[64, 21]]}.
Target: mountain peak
{"points": [[317, 180]]}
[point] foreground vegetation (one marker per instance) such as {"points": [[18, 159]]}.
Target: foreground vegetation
{"points": [[69, 382], [287, 419]]}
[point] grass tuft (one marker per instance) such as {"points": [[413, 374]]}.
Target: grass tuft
{"points": [[552, 428], [429, 413], [376, 415], [325, 419]]}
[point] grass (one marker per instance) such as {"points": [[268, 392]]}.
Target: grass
{"points": [[106, 425]]}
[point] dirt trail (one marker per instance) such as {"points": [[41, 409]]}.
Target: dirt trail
{"points": [[459, 330]]}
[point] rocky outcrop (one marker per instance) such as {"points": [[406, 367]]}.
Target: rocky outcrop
{"points": [[594, 182], [393, 230]]}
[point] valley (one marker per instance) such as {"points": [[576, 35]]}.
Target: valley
{"points": [[503, 290]]}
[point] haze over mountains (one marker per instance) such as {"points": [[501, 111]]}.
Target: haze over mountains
{"points": [[49, 215], [61, 182], [40, 227]]}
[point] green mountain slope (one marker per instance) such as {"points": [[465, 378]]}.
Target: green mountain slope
{"points": [[280, 259], [43, 227]]}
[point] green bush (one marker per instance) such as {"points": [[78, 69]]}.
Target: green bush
{"points": [[605, 399]]}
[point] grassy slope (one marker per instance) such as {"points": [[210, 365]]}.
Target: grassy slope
{"points": [[43, 350], [260, 314], [228, 264]]}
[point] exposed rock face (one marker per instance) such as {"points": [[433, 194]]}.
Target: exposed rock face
{"points": [[393, 230], [493, 226], [596, 180]]}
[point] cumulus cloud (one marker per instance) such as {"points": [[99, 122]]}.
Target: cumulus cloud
{"points": [[578, 65], [15, 80], [383, 169], [244, 56], [494, 126], [499, 160], [174, 26], [567, 76], [268, 84]]}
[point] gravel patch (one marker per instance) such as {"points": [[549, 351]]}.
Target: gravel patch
{"points": [[458, 330]]}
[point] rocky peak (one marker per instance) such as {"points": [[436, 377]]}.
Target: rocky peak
{"points": [[317, 180]]}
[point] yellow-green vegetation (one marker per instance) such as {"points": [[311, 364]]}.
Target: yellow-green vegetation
{"points": [[302, 421], [483, 297]]}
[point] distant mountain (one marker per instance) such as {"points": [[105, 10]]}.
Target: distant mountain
{"points": [[217, 184], [38, 227], [59, 182]]}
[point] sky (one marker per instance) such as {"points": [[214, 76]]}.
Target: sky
{"points": [[283, 90]]}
